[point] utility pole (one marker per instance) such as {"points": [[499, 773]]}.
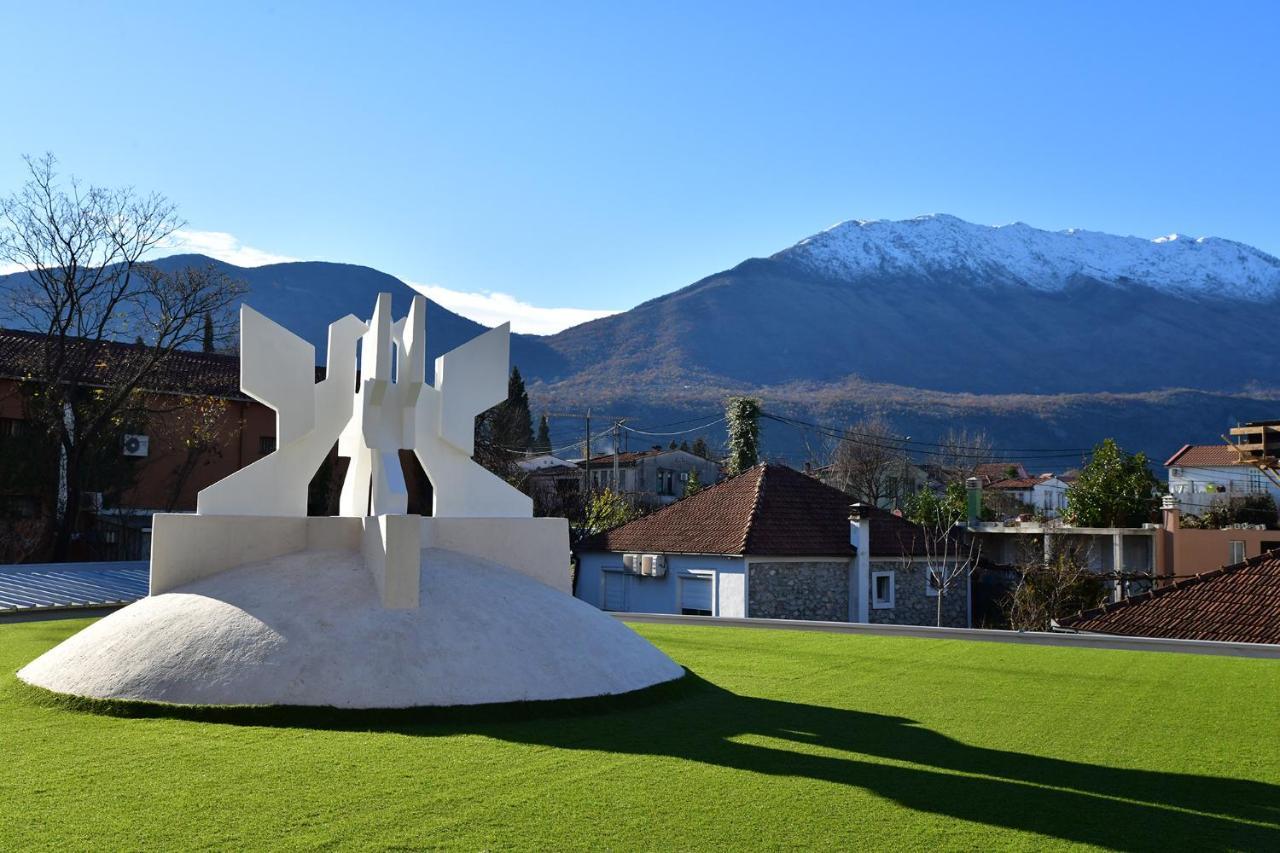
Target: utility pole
{"points": [[617, 439], [586, 463]]}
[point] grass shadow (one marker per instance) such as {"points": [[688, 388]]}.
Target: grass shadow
{"points": [[1113, 807]]}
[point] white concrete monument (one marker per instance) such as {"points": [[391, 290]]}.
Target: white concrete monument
{"points": [[253, 602]]}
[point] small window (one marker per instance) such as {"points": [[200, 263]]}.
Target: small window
{"points": [[266, 444], [1237, 552], [881, 590]]}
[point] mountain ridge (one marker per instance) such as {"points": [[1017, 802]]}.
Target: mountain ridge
{"points": [[933, 331], [1022, 254]]}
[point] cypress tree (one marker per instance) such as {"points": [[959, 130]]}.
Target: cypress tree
{"points": [[542, 444], [513, 423]]}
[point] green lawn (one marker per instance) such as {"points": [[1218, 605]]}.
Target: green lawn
{"points": [[795, 740]]}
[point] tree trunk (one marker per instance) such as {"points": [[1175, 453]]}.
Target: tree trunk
{"points": [[66, 523]]}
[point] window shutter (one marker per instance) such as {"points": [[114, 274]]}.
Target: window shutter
{"points": [[695, 593]]}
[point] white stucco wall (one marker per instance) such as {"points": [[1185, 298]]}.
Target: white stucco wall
{"points": [[1190, 485]]}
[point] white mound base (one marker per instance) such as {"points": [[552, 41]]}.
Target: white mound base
{"points": [[309, 628]]}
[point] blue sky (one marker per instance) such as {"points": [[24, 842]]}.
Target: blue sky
{"points": [[593, 156]]}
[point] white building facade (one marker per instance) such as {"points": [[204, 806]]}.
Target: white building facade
{"points": [[1201, 475]]}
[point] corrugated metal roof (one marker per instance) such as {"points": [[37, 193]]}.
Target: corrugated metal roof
{"points": [[63, 585]]}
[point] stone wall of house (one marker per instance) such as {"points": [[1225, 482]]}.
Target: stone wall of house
{"points": [[800, 590], [912, 604]]}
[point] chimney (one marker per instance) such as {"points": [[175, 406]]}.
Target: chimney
{"points": [[1171, 523], [973, 499], [860, 539]]}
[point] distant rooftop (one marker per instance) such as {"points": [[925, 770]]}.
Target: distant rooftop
{"points": [[767, 510], [1204, 456], [109, 362]]}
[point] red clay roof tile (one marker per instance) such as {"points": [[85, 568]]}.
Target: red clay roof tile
{"points": [[1237, 604], [768, 510]]}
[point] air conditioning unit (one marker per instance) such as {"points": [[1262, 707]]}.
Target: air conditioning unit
{"points": [[136, 445], [91, 501], [631, 562], [653, 565]]}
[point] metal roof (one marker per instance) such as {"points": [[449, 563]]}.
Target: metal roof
{"points": [[54, 586]]}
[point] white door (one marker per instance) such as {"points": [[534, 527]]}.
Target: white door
{"points": [[695, 596], [615, 591]]}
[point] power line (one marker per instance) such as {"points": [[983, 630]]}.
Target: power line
{"points": [[905, 445], [677, 432], [1054, 450]]}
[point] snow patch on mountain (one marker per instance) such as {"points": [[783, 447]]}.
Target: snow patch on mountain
{"points": [[942, 246]]}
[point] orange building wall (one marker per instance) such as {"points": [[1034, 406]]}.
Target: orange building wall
{"points": [[240, 427], [1184, 553]]}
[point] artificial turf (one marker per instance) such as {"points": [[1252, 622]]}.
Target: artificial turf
{"points": [[789, 740]]}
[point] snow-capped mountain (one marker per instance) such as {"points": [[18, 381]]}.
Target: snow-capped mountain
{"points": [[940, 245], [942, 304]]}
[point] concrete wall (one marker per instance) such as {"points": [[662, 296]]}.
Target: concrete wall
{"points": [[661, 595], [1010, 545], [185, 548], [537, 547], [809, 589], [912, 603]]}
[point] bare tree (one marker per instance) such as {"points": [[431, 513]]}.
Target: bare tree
{"points": [[950, 554], [870, 462], [195, 437], [961, 452], [1054, 581], [87, 286]]}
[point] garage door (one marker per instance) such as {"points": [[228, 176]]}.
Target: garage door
{"points": [[695, 596], [615, 591]]}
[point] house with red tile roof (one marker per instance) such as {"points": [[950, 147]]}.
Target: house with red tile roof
{"points": [[1235, 604], [991, 472], [772, 542], [1044, 495], [653, 477], [1201, 475]]}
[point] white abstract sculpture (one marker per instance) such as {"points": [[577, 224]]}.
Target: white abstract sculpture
{"points": [[393, 409], [254, 603]]}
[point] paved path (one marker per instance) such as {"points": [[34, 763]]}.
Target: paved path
{"points": [[59, 586], [1033, 638]]}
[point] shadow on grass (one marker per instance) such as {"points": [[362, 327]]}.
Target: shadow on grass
{"points": [[698, 721]]}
